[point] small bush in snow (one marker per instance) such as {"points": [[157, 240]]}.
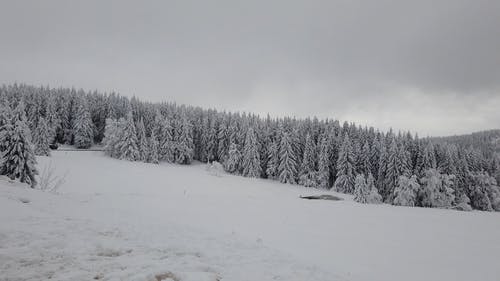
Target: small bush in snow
{"points": [[49, 181], [215, 169]]}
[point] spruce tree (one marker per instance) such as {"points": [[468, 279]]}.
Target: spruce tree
{"points": [[273, 160], [308, 174], [18, 160], [83, 128], [184, 146], [382, 167], [365, 159], [361, 191], [153, 149], [42, 138], [393, 171], [251, 157], [112, 135], [374, 197], [232, 165], [6, 126], [323, 163], [287, 169], [52, 118], [345, 168], [128, 143], [142, 141]]}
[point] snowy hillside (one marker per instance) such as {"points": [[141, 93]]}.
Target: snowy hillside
{"points": [[120, 220]]}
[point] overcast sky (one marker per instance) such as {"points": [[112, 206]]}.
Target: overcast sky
{"points": [[429, 66]]}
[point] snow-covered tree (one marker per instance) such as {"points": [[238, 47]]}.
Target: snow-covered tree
{"points": [[365, 159], [163, 131], [308, 175], [128, 143], [153, 149], [405, 193], [324, 163], [273, 160], [345, 168], [462, 203], [83, 127], [52, 118], [374, 197], [436, 190], [142, 141], [232, 165], [6, 126], [287, 168], [184, 146], [42, 138], [251, 157], [485, 193], [18, 160], [393, 171], [112, 135], [361, 191]]}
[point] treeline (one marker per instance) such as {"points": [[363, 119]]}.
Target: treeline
{"points": [[393, 167]]}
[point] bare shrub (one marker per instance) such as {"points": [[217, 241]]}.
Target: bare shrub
{"points": [[49, 180]]}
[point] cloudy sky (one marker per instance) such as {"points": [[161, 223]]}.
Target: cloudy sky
{"points": [[429, 66]]}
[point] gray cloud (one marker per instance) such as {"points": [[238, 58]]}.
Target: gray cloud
{"points": [[428, 66]]}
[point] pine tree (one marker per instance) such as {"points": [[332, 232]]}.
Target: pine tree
{"points": [[128, 143], [308, 174], [405, 193], [153, 149], [323, 164], [184, 146], [42, 138], [382, 167], [232, 165], [273, 160], [5, 124], [345, 168], [112, 135], [251, 157], [142, 141], [361, 191], [223, 140], [374, 197], [287, 168], [366, 165], [447, 166], [83, 127], [375, 156], [18, 159], [163, 132], [53, 121], [428, 160], [394, 167]]}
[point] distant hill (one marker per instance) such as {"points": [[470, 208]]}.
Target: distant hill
{"points": [[487, 141]]}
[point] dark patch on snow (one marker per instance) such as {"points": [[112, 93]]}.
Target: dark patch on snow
{"points": [[24, 200], [322, 197], [166, 276]]}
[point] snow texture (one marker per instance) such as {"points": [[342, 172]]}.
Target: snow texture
{"points": [[121, 220]]}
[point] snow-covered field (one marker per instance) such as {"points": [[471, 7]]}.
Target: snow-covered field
{"points": [[118, 220]]}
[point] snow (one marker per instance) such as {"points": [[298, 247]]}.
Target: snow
{"points": [[120, 220]]}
